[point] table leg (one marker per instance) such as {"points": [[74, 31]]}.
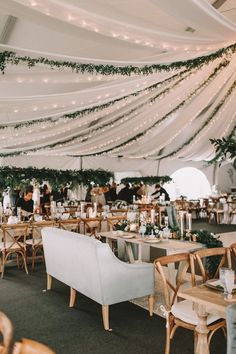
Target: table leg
{"points": [[129, 252], [202, 331]]}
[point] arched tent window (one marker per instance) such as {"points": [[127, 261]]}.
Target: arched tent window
{"points": [[189, 182]]}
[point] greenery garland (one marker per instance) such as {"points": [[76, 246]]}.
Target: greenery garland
{"points": [[215, 111], [97, 108], [150, 180], [20, 177], [10, 57], [134, 138]]}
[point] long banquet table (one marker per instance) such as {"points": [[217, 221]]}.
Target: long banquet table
{"points": [[170, 246]]}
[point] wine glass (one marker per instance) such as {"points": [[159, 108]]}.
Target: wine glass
{"points": [[222, 278], [142, 230], [229, 282]]}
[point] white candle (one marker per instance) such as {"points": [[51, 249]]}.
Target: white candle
{"points": [[95, 208], [152, 216], [132, 227], [166, 221], [189, 221], [82, 208], [181, 223]]}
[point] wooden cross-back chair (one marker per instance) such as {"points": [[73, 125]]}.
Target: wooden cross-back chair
{"points": [[173, 271], [204, 258], [70, 225], [6, 329], [232, 211], [36, 242], [113, 220], [91, 226], [14, 241]]}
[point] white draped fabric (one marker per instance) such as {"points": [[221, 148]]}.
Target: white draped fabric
{"points": [[167, 114]]}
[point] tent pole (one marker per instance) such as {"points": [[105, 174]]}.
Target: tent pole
{"points": [[81, 169]]}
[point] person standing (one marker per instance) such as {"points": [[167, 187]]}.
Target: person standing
{"points": [[159, 191]]}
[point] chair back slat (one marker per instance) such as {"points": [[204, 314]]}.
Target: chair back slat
{"points": [[209, 261], [173, 272]]}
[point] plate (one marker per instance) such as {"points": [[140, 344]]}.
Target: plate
{"points": [[216, 285], [127, 236], [152, 240]]}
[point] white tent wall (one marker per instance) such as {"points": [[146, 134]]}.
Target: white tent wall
{"points": [[227, 177]]}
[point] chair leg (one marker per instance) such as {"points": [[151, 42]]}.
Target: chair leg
{"points": [[25, 263], [49, 282], [33, 258], [151, 304], [3, 266], [105, 317], [72, 297], [167, 349], [195, 340]]}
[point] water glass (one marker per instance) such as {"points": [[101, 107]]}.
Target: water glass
{"points": [[222, 278], [229, 282]]}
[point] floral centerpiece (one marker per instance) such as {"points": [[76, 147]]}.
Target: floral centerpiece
{"points": [[152, 229], [122, 225]]}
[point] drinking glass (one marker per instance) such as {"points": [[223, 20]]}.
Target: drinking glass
{"points": [[229, 282], [222, 278], [142, 230]]}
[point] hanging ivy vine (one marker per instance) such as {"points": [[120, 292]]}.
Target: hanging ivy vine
{"points": [[10, 57], [150, 180], [20, 177]]}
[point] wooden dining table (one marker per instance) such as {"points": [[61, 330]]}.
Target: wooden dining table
{"points": [[205, 301], [170, 246]]}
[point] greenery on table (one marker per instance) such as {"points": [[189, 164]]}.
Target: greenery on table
{"points": [[122, 225], [152, 229], [150, 180], [20, 177], [210, 240]]}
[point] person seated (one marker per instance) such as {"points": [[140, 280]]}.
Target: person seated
{"points": [[26, 203], [159, 191]]}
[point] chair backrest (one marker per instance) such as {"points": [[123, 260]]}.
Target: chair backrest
{"points": [[167, 266], [93, 224], [113, 220], [37, 228], [6, 328], [28, 346], [14, 235], [70, 225], [209, 261]]}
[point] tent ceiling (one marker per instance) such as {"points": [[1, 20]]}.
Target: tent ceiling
{"points": [[162, 115]]}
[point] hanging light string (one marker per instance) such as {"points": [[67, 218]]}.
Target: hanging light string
{"points": [[220, 66], [10, 57], [85, 152], [97, 108], [215, 111]]}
